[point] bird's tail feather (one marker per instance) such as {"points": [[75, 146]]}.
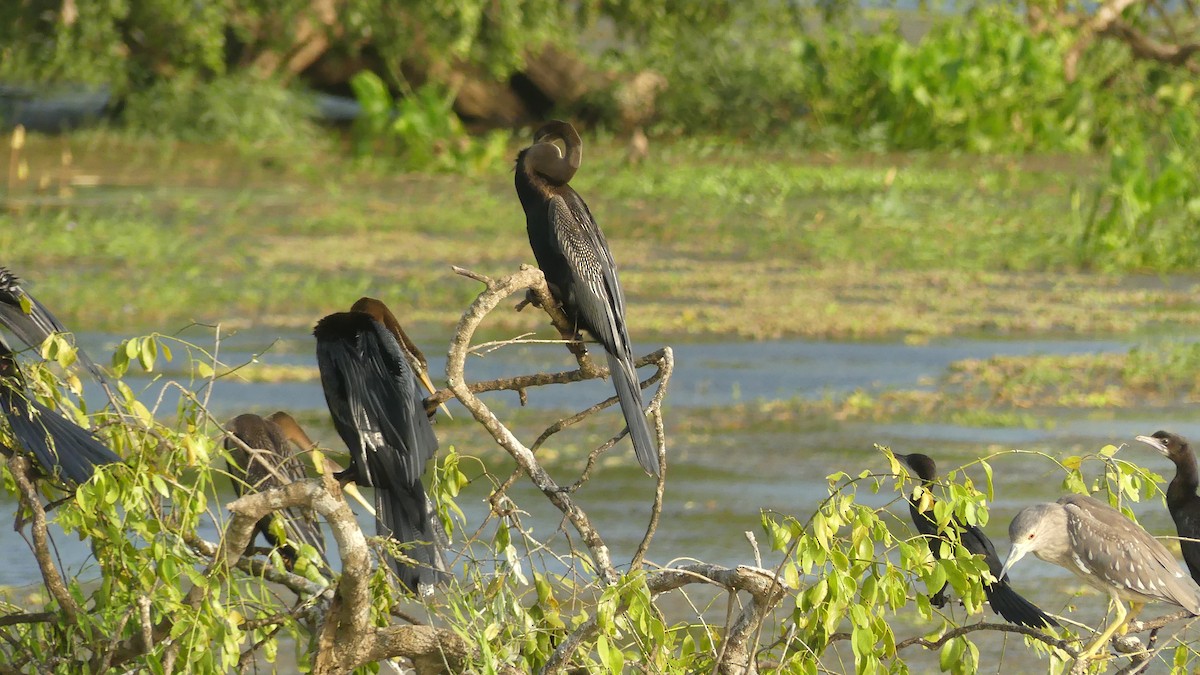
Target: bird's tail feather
{"points": [[1016, 609], [59, 445], [405, 515], [626, 382]]}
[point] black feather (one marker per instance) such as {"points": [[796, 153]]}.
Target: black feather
{"points": [[62, 449], [371, 391], [1004, 600], [573, 255], [32, 323]]}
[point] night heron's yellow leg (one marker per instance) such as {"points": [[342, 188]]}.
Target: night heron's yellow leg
{"points": [[1113, 627], [1135, 608]]}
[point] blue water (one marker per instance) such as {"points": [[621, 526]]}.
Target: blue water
{"points": [[721, 481]]}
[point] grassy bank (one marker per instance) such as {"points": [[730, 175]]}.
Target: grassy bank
{"points": [[712, 239]]}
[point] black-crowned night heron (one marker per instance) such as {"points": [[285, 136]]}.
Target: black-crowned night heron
{"points": [[1182, 501], [1004, 600], [1105, 549]]}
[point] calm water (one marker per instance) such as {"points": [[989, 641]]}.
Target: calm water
{"points": [[719, 483]]}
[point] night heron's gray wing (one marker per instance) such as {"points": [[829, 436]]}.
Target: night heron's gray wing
{"points": [[1117, 552]]}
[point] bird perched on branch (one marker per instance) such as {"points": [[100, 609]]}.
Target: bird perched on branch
{"points": [[62, 449], [272, 463], [302, 443], [418, 361], [371, 389], [1004, 600], [1182, 501], [1106, 550], [32, 323], [574, 256]]}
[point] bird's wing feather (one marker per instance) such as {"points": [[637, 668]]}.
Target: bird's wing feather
{"points": [[21, 313], [32, 323], [1124, 555], [372, 395], [598, 295], [58, 444]]}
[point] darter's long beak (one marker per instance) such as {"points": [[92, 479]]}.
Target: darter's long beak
{"points": [[1156, 443], [424, 376], [325, 465]]}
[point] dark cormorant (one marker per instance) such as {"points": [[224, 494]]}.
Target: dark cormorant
{"points": [[1182, 501], [273, 464], [579, 268], [1004, 600], [32, 323], [371, 391], [62, 449]]}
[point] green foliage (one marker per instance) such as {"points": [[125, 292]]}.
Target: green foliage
{"points": [[980, 82], [244, 110], [420, 130], [1146, 215], [857, 582]]}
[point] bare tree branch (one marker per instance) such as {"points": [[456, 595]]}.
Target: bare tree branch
{"points": [[22, 618], [22, 471], [496, 290], [1145, 47]]}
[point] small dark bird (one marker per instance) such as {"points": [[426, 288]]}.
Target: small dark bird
{"points": [[1004, 600], [1108, 551], [272, 464], [32, 323], [371, 390], [573, 254], [1182, 501], [62, 449]]}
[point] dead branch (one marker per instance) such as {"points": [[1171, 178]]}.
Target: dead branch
{"points": [[496, 290], [765, 589], [1107, 22], [1145, 47], [347, 639], [22, 471], [23, 618]]}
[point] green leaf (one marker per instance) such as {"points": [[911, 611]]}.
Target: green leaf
{"points": [[612, 657]]}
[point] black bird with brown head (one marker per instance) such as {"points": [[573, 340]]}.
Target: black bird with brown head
{"points": [[371, 390], [271, 463], [575, 258]]}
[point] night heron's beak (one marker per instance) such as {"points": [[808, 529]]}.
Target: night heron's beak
{"points": [[1156, 443], [1018, 551]]}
